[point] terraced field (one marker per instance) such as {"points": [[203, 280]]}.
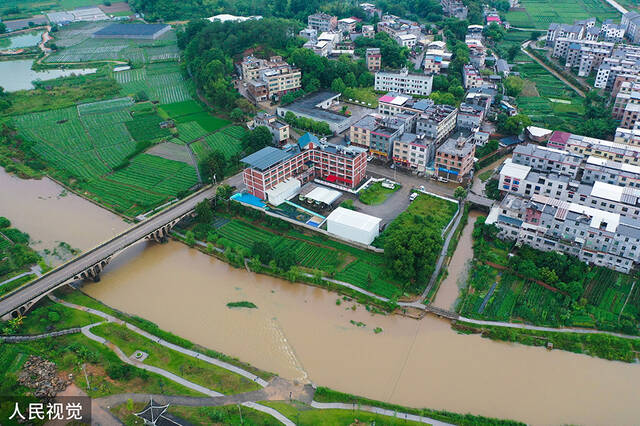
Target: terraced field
{"points": [[161, 82]]}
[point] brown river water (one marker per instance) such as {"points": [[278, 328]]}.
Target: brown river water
{"points": [[301, 333]]}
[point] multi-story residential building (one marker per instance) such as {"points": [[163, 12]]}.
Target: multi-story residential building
{"points": [[437, 122], [471, 77], [628, 136], [586, 146], [413, 151], [546, 223], [454, 8], [345, 166], [628, 93], [347, 24], [374, 59], [403, 82], [395, 103], [454, 159], [322, 22], [597, 169], [548, 160], [578, 31], [278, 129], [611, 32], [368, 31], [631, 23], [470, 116], [630, 115], [371, 10], [436, 58], [623, 61], [309, 34], [269, 78], [584, 54], [406, 40], [377, 133]]}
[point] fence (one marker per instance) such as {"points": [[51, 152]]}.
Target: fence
{"points": [[17, 339]]}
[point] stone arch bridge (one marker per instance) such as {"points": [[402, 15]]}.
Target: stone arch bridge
{"points": [[89, 264]]}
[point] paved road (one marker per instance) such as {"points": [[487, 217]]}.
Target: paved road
{"points": [[75, 266]]}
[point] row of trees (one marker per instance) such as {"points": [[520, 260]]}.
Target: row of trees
{"points": [[304, 123]]}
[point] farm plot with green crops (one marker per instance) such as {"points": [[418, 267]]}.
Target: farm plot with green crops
{"points": [[190, 131], [245, 235], [126, 199], [368, 277], [542, 109], [540, 13], [235, 131], [161, 82], [224, 143], [157, 174], [146, 127], [204, 119], [178, 109]]}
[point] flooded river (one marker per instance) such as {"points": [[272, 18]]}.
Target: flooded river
{"points": [[300, 332], [458, 267]]}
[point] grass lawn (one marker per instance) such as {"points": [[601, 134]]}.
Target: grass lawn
{"points": [[303, 414], [69, 353], [377, 194], [195, 370], [362, 94], [48, 316], [80, 298], [484, 176]]}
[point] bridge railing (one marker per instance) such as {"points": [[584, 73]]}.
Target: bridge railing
{"points": [[104, 243]]}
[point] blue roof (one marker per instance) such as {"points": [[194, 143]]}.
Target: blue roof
{"points": [[267, 157], [511, 220], [306, 139], [130, 29], [510, 140], [422, 104]]}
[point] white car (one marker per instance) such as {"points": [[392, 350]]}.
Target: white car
{"points": [[369, 158], [421, 187], [413, 196]]}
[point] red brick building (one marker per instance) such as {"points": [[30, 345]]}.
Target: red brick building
{"points": [[342, 165]]}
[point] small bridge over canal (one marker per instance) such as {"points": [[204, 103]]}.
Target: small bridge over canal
{"points": [[89, 264]]}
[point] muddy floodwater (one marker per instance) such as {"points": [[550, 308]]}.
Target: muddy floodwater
{"points": [[301, 333], [458, 267], [50, 214]]}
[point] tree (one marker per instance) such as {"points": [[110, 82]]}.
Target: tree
{"points": [[513, 85], [204, 212], [4, 222], [224, 192], [338, 85], [213, 166], [258, 138], [285, 258], [513, 125], [460, 193], [262, 250], [190, 238], [535, 35], [237, 114], [3, 28], [513, 51]]}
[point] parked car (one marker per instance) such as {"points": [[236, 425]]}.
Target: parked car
{"points": [[413, 196], [393, 166], [441, 179], [421, 187], [369, 158]]}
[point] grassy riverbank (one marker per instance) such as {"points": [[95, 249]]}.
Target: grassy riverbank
{"points": [[194, 370], [324, 394], [597, 345], [16, 257]]}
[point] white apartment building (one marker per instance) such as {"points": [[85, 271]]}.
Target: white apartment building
{"points": [[403, 82]]}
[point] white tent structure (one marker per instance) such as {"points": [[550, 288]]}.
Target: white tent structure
{"points": [[354, 226], [283, 191], [323, 195]]}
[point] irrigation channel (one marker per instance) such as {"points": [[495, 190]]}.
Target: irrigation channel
{"points": [[301, 333]]}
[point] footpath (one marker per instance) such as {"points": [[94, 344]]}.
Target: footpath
{"points": [[277, 389]]}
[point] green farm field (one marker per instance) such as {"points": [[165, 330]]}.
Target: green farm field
{"points": [[539, 14], [86, 144]]}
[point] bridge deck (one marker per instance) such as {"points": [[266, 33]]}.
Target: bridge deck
{"points": [[66, 271]]}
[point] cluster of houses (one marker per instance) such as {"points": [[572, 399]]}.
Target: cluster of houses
{"points": [[268, 78], [586, 47], [577, 195]]}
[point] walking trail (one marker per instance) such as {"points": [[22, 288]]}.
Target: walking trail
{"points": [[277, 389], [548, 68]]}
